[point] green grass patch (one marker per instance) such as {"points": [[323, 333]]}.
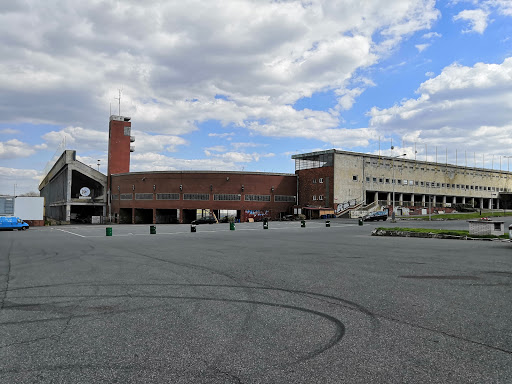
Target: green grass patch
{"points": [[450, 232], [465, 216]]}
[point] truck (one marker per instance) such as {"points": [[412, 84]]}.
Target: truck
{"points": [[12, 223]]}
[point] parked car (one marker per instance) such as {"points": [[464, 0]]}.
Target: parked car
{"points": [[205, 220], [376, 216]]}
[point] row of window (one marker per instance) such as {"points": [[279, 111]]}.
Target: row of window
{"points": [[320, 197], [431, 184], [440, 168], [204, 197], [320, 180]]}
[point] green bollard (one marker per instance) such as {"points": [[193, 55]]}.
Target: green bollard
{"points": [[303, 223], [231, 226], [360, 221], [152, 229], [108, 231], [327, 223]]}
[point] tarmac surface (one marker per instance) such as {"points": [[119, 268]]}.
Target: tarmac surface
{"points": [[283, 305]]}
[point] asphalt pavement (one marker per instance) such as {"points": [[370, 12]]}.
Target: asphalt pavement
{"points": [[284, 305]]}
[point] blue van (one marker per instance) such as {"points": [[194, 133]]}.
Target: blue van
{"points": [[12, 223]]}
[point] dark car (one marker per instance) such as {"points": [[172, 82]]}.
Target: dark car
{"points": [[376, 216], [205, 220]]}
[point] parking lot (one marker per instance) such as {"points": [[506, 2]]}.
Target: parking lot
{"points": [[284, 305]]}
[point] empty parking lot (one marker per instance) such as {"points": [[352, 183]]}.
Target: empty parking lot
{"points": [[283, 305]]}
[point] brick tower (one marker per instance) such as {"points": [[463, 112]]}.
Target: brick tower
{"points": [[119, 145]]}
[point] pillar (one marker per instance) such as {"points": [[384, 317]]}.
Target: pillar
{"points": [[497, 203], [481, 203], [464, 200], [444, 201], [401, 199], [490, 203], [434, 201], [454, 201], [389, 198], [412, 200], [423, 199], [376, 197]]}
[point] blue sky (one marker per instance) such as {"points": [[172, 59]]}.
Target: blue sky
{"points": [[246, 84]]}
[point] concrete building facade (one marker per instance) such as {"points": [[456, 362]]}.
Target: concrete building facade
{"points": [[73, 190], [340, 179]]}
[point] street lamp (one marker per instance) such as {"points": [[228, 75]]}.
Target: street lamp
{"points": [[394, 182]]}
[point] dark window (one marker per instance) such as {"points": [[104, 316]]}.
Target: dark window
{"points": [[257, 197], [143, 196], [126, 196], [227, 197], [284, 198], [196, 196], [167, 196]]}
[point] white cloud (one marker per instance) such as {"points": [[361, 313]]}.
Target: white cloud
{"points": [[469, 107], [9, 131], [25, 179], [422, 47], [430, 74], [15, 148], [171, 59], [477, 19], [216, 148], [431, 35]]}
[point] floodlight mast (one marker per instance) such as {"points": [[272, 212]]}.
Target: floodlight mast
{"points": [[394, 182]]}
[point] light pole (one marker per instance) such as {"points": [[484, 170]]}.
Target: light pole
{"points": [[508, 162], [393, 181]]}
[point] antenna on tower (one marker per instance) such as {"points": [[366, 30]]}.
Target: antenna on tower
{"points": [[119, 99]]}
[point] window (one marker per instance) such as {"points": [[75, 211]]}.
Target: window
{"points": [[257, 197], [354, 178], [284, 198], [167, 196], [467, 186], [314, 181], [321, 197], [314, 197], [381, 180], [196, 196], [114, 197], [405, 182], [367, 179], [374, 179], [387, 181], [399, 181], [437, 185], [321, 180], [471, 187], [443, 185], [411, 182], [143, 196], [428, 184], [497, 226], [227, 197], [126, 196], [393, 181], [127, 131], [422, 183]]}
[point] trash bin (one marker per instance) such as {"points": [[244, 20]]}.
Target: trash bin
{"points": [[360, 221], [231, 226], [303, 223], [192, 228], [265, 223], [328, 223], [109, 231], [152, 230]]}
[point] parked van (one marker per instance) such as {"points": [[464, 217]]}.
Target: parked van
{"points": [[12, 223]]}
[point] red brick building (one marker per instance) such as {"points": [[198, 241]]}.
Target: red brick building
{"points": [[183, 196]]}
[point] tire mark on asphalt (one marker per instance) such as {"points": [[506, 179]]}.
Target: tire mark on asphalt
{"points": [[8, 274]]}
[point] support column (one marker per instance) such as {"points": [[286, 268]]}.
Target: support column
{"points": [[454, 201], [464, 200], [472, 201], [412, 200], [434, 201], [401, 199], [423, 200], [490, 203], [497, 203], [389, 198], [444, 201], [376, 196], [481, 203]]}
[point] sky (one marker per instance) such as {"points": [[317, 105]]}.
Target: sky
{"points": [[242, 85]]}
